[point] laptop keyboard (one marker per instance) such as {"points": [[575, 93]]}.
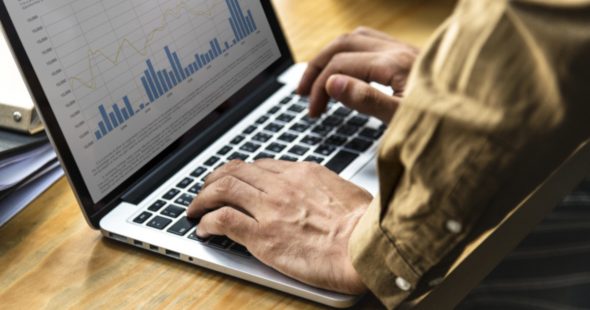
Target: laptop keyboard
{"points": [[285, 132]]}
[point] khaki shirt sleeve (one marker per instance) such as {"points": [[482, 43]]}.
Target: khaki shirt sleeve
{"points": [[497, 100]]}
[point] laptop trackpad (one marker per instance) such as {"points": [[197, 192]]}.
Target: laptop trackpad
{"points": [[367, 178]]}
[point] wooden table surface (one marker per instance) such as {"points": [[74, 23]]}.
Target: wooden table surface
{"points": [[50, 258]]}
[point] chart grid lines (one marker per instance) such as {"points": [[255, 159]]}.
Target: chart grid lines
{"points": [[158, 82]]}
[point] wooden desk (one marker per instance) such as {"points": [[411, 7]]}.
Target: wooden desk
{"points": [[50, 258]]}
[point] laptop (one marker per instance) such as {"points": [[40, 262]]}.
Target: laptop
{"points": [[143, 99]]}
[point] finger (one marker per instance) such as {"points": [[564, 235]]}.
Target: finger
{"points": [[227, 191], [248, 173], [373, 33], [369, 67], [273, 165], [345, 43], [360, 96], [228, 222]]}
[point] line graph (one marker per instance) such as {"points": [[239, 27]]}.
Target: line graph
{"points": [[143, 51]]}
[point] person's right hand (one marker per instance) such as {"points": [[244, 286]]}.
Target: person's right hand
{"points": [[344, 69]]}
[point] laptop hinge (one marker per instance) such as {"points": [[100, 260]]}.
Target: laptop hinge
{"points": [[153, 179]]}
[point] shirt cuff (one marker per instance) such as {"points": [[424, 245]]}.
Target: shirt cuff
{"points": [[370, 250]]}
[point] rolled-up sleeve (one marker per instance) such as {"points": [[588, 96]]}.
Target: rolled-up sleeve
{"points": [[497, 100]]}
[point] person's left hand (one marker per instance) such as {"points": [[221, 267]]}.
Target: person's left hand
{"points": [[294, 217]]}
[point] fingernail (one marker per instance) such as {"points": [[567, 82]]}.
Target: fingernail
{"points": [[337, 85]]}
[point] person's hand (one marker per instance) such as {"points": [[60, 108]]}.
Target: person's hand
{"points": [[344, 69], [294, 217]]}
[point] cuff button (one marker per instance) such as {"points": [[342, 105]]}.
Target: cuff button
{"points": [[454, 226], [403, 284]]}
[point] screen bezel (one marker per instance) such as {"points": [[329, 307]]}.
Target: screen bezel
{"points": [[93, 212]]}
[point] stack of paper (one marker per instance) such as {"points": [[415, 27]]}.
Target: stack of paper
{"points": [[28, 166]]}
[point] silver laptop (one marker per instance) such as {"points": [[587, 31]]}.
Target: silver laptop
{"points": [[143, 99]]}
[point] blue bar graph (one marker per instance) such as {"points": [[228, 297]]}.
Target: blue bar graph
{"points": [[128, 106], [157, 82], [118, 114], [173, 78], [125, 115]]}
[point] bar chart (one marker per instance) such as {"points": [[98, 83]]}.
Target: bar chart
{"points": [[126, 78], [157, 82]]}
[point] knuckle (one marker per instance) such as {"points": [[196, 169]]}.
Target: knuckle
{"points": [[233, 165], [225, 184], [343, 40], [225, 216], [362, 30], [368, 96]]}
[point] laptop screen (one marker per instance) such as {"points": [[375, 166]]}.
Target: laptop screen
{"points": [[125, 79]]}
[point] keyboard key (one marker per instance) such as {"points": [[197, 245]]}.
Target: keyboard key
{"points": [[156, 206], [286, 100], [316, 159], [325, 149], [288, 137], [343, 112], [299, 127], [359, 145], [311, 140], [185, 183], [288, 158], [286, 118], [240, 249], [196, 188], [224, 150], [274, 127], [264, 155], [262, 137], [250, 147], [261, 120], [322, 130], [274, 110], [184, 200], [250, 130], [193, 236], [348, 130], [359, 120], [211, 161], [237, 140], [171, 194], [172, 211], [198, 172], [220, 242], [238, 155], [370, 133], [333, 121], [304, 100], [182, 226], [298, 150], [276, 147], [336, 140], [342, 159], [144, 216], [297, 108], [159, 222]]}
